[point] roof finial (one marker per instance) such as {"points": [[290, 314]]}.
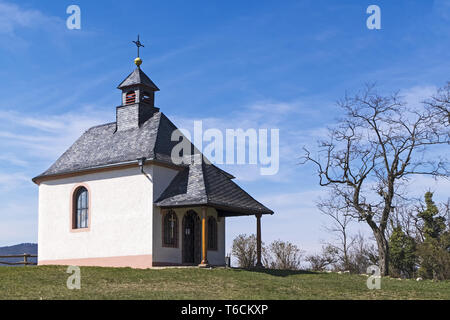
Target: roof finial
{"points": [[138, 60]]}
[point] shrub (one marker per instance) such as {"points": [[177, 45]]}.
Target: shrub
{"points": [[403, 257], [279, 255], [244, 249], [283, 255], [328, 257]]}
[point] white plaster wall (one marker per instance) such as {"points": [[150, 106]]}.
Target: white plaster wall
{"points": [[124, 220], [160, 253], [121, 216], [162, 177], [217, 257]]}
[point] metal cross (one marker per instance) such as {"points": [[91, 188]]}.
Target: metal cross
{"points": [[172, 225], [138, 44]]}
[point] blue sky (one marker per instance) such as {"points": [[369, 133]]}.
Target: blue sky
{"points": [[250, 64]]}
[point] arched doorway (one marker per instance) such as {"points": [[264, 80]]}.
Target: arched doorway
{"points": [[191, 238]]}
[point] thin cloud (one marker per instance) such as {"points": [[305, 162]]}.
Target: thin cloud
{"points": [[255, 116], [416, 95], [13, 159], [14, 18], [43, 136], [9, 181]]}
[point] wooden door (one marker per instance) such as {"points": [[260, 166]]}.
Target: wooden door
{"points": [[189, 238]]}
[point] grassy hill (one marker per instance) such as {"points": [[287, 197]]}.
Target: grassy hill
{"points": [[49, 282]]}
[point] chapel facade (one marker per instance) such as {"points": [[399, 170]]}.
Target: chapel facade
{"points": [[116, 198]]}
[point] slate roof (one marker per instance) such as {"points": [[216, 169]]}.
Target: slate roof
{"points": [[102, 145], [197, 183], [205, 184], [138, 77]]}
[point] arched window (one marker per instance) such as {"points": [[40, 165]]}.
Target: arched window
{"points": [[212, 233], [130, 97], [170, 230], [81, 208]]}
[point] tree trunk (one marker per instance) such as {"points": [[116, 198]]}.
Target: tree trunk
{"points": [[383, 252]]}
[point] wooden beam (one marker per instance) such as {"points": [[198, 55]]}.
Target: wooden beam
{"points": [[258, 241], [25, 261], [204, 262]]}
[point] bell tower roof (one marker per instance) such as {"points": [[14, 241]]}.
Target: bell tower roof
{"points": [[138, 78], [138, 98]]}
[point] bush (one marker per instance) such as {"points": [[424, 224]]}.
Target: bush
{"points": [[434, 251], [279, 255], [244, 249], [362, 255], [283, 255], [328, 257], [434, 255], [403, 254]]}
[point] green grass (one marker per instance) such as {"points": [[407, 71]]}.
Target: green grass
{"points": [[49, 282]]}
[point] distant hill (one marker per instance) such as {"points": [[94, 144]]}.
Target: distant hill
{"points": [[22, 248]]}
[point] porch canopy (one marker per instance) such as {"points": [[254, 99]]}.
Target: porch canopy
{"points": [[205, 185]]}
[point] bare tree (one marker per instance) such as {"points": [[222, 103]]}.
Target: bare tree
{"points": [[370, 154], [446, 209], [328, 257], [338, 212], [362, 255], [403, 216], [440, 105]]}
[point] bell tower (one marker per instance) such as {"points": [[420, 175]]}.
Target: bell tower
{"points": [[138, 97]]}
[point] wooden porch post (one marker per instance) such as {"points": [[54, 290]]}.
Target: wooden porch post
{"points": [[204, 262], [258, 241]]}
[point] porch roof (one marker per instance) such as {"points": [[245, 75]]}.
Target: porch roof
{"points": [[202, 184]]}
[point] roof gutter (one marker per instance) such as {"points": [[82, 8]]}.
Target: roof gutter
{"points": [[226, 211], [118, 165]]}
